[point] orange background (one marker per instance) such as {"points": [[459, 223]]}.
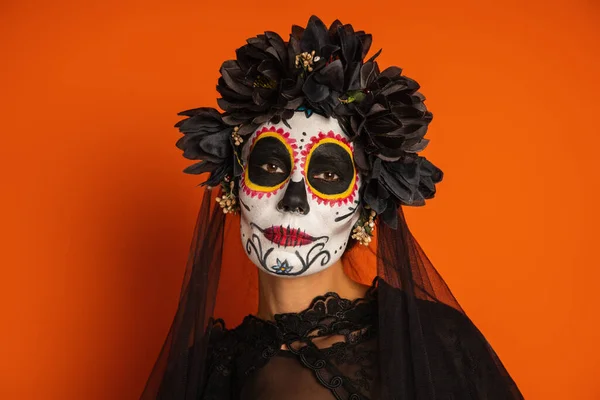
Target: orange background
{"points": [[97, 216]]}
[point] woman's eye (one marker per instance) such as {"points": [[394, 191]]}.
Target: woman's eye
{"points": [[327, 176], [271, 168]]}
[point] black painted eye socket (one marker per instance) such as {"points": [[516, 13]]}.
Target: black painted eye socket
{"points": [[269, 163], [330, 170]]}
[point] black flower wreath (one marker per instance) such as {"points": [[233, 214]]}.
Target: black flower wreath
{"points": [[322, 70]]}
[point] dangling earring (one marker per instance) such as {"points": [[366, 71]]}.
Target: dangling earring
{"points": [[364, 227], [228, 201], [237, 139]]}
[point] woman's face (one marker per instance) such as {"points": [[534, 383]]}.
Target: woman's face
{"points": [[298, 195]]}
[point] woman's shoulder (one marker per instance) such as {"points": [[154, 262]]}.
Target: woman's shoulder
{"points": [[433, 310], [445, 327]]}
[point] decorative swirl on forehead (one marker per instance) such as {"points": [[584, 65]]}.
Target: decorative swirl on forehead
{"points": [[330, 199]]}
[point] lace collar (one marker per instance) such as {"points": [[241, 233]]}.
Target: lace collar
{"points": [[326, 315]]}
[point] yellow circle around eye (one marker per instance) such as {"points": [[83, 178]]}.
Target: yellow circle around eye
{"points": [[290, 151], [350, 187]]}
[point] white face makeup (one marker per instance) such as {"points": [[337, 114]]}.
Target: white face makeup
{"points": [[298, 195]]}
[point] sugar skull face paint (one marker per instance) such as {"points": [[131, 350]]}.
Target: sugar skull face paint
{"points": [[298, 195]]}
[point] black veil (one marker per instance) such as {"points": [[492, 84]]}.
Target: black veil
{"points": [[428, 348], [178, 371]]}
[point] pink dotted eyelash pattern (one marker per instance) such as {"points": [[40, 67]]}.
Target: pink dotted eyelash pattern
{"points": [[287, 139], [304, 153]]}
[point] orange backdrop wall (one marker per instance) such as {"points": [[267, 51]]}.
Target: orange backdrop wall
{"points": [[97, 216]]}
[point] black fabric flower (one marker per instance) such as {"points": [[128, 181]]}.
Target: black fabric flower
{"points": [[207, 138], [388, 120], [320, 70], [409, 182], [261, 85], [339, 52]]}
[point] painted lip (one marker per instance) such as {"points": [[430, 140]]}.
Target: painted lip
{"points": [[286, 236]]}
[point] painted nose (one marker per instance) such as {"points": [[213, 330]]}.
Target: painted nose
{"points": [[294, 199]]}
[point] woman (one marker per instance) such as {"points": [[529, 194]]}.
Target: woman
{"points": [[315, 148]]}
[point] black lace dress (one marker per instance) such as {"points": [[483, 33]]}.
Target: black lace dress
{"points": [[331, 351], [328, 351]]}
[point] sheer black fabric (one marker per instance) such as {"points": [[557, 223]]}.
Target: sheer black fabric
{"points": [[178, 372], [408, 338], [327, 351]]}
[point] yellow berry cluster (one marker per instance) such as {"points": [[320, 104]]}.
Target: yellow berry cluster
{"points": [[228, 200], [237, 139], [306, 60], [363, 230]]}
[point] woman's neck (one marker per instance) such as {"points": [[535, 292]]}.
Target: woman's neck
{"points": [[287, 295]]}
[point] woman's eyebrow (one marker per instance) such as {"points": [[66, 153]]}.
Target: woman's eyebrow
{"points": [[268, 149], [331, 155], [319, 158]]}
